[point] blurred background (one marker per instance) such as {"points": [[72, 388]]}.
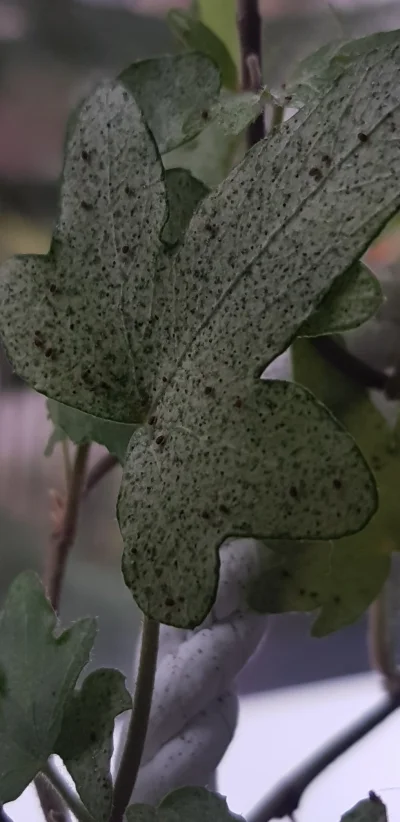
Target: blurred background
{"points": [[51, 51]]}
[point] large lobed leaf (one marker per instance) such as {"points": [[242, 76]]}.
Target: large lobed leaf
{"points": [[156, 329], [38, 672]]}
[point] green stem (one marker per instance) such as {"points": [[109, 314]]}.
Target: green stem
{"points": [[70, 798], [136, 737]]}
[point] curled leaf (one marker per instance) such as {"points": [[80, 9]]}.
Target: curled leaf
{"points": [[353, 299]]}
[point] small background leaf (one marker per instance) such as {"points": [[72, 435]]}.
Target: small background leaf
{"points": [[182, 805], [221, 18], [196, 36], [38, 672], [86, 739], [368, 810], [170, 90], [84, 428], [353, 299]]}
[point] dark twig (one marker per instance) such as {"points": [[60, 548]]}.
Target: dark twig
{"points": [[64, 533], [99, 471], [285, 799], [250, 33], [134, 745]]}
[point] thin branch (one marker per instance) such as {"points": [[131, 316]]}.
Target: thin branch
{"points": [[285, 799], [98, 472], [71, 799], [64, 535], [381, 653], [134, 745], [50, 801], [250, 34]]}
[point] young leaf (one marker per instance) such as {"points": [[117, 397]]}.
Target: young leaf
{"points": [[194, 804], [352, 300], [184, 193], [209, 156], [321, 69], [344, 577], [232, 113], [85, 742], [243, 468], [198, 37], [170, 90], [39, 667], [368, 810], [61, 317], [82, 428], [221, 18]]}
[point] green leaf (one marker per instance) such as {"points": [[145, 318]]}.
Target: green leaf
{"points": [[245, 468], [368, 810], [352, 300], [209, 156], [344, 577], [184, 193], [85, 743], [39, 667], [252, 269], [170, 90], [321, 69], [198, 37], [61, 313], [194, 804], [83, 428], [221, 18], [232, 113]]}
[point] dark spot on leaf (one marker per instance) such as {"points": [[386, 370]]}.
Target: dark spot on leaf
{"points": [[285, 574], [327, 159], [205, 114], [52, 288], [224, 509], [160, 440], [301, 592], [169, 602], [125, 249], [238, 402], [337, 484], [293, 492], [205, 515], [316, 173], [209, 390], [362, 137], [49, 353], [86, 206], [85, 155], [152, 420], [337, 600], [93, 737], [313, 594]]}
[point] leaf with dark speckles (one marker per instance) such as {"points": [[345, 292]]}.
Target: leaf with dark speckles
{"points": [[171, 89], [61, 320], [263, 466], [348, 574], [39, 671], [260, 253], [321, 69], [83, 428], [352, 300], [368, 810], [194, 804], [184, 192], [85, 743]]}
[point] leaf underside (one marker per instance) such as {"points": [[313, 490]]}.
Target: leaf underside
{"points": [[153, 328], [353, 299], [196, 804]]}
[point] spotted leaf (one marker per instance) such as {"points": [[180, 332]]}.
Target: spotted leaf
{"points": [[85, 742]]}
